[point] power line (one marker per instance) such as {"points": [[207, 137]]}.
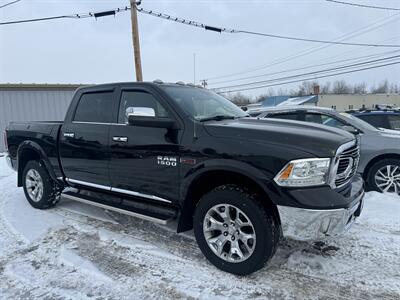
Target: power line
{"points": [[230, 30], [37, 20], [314, 72], [73, 16], [363, 5], [351, 34], [313, 40], [307, 67], [9, 3], [310, 78]]}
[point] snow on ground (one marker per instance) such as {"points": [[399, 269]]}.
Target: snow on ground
{"points": [[75, 251]]}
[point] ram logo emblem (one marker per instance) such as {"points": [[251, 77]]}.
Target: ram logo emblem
{"points": [[166, 161]]}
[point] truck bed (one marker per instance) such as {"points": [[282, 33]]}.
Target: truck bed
{"points": [[38, 134]]}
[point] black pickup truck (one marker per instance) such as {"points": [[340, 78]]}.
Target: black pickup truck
{"points": [[162, 151]]}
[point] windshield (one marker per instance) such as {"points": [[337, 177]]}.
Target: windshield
{"points": [[358, 123], [203, 104]]}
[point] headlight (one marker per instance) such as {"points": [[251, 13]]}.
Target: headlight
{"points": [[304, 172]]}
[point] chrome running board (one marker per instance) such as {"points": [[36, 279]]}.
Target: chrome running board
{"points": [[126, 211]]}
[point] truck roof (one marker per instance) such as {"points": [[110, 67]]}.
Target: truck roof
{"points": [[142, 83]]}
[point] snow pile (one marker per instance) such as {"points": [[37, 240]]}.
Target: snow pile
{"points": [[76, 251]]}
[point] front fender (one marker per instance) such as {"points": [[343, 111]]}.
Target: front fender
{"points": [[230, 165], [35, 147], [227, 165], [372, 156]]}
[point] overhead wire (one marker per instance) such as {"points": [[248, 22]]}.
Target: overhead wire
{"points": [[9, 3], [96, 15], [364, 5], [312, 73], [357, 32], [306, 67], [230, 30], [310, 78]]}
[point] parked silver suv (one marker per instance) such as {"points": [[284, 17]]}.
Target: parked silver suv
{"points": [[380, 148]]}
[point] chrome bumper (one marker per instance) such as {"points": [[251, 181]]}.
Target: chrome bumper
{"points": [[309, 224], [9, 162]]}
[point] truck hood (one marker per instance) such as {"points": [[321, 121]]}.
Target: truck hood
{"points": [[318, 140]]}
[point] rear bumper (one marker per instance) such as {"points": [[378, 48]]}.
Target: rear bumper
{"points": [[316, 224], [9, 162]]}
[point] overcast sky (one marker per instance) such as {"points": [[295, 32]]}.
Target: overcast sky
{"points": [[90, 51]]}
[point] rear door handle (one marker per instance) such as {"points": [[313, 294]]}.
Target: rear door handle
{"points": [[69, 134], [122, 139]]}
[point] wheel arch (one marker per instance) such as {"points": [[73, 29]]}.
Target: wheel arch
{"points": [[375, 160], [211, 178], [29, 151]]}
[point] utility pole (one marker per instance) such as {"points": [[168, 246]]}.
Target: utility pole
{"points": [[204, 83], [135, 40], [194, 68]]}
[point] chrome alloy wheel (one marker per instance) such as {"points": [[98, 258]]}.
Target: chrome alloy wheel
{"points": [[387, 179], [34, 185], [229, 233]]}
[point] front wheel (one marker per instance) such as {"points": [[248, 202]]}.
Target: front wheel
{"points": [[235, 232], [40, 189], [384, 176]]}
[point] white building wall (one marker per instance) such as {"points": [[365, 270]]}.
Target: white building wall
{"points": [[351, 101], [32, 105]]}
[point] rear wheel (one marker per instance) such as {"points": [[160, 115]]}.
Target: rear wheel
{"points": [[234, 230], [40, 189], [384, 176]]}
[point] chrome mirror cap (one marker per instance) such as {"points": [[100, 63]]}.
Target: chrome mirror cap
{"points": [[140, 111]]}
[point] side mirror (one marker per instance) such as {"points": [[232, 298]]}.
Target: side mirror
{"points": [[140, 111], [144, 121], [350, 129]]}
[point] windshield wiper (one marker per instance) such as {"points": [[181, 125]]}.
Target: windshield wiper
{"points": [[217, 118]]}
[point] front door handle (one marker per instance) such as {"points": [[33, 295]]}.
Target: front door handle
{"points": [[69, 134], [122, 139]]}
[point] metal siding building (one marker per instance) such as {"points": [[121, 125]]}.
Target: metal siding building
{"points": [[343, 102], [33, 102]]}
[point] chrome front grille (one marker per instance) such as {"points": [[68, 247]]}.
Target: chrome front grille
{"points": [[347, 164]]}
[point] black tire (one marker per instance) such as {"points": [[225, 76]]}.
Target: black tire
{"points": [[265, 224], [372, 184], [50, 190]]}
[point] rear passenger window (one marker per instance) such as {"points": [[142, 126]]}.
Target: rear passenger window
{"points": [[394, 121], [375, 120], [95, 107]]}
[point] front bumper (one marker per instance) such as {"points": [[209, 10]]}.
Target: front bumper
{"points": [[316, 224]]}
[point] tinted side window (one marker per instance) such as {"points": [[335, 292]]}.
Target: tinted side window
{"points": [[374, 120], [394, 121], [323, 119], [95, 107], [286, 116], [139, 99], [314, 118]]}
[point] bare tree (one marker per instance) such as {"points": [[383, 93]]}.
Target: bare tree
{"points": [[326, 88], [306, 88], [360, 88], [239, 99], [383, 88], [341, 87], [394, 88], [261, 97], [282, 92]]}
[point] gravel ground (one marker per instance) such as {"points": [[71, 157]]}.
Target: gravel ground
{"points": [[75, 251]]}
